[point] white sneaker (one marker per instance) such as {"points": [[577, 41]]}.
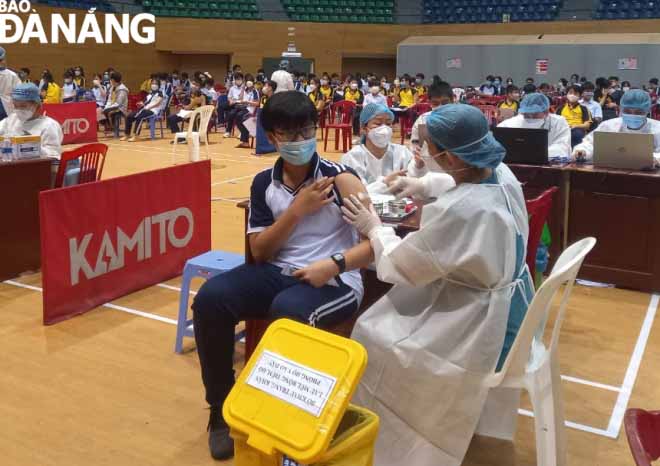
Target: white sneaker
{"points": [[226, 135]]}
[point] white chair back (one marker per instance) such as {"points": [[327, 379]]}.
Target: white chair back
{"points": [[532, 366], [563, 273], [204, 112]]}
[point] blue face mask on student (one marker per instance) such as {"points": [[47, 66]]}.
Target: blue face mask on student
{"points": [[633, 121], [298, 152]]}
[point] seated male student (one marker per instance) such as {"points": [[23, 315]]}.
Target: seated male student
{"points": [[307, 257], [635, 106], [27, 119], [509, 106], [577, 116], [596, 111], [535, 114]]}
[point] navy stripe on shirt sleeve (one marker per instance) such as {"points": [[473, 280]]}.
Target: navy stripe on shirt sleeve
{"points": [[260, 214]]}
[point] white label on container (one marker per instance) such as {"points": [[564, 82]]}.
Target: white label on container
{"points": [[293, 383]]}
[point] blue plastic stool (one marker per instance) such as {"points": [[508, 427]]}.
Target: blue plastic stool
{"points": [[207, 265]]}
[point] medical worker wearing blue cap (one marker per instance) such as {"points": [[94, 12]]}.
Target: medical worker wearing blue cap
{"points": [[461, 291], [635, 106], [26, 118], [535, 113], [377, 159]]}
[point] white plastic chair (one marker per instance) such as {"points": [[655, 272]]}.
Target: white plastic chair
{"points": [[535, 368], [195, 137]]}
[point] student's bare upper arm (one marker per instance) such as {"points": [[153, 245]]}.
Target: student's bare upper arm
{"points": [[348, 183]]}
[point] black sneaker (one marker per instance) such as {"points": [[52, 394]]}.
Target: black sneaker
{"points": [[221, 445]]}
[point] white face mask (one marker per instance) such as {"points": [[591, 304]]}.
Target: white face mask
{"points": [[324, 82], [375, 90], [432, 165], [354, 86], [312, 87], [380, 136], [23, 114], [249, 83], [154, 87], [396, 82], [97, 82], [533, 123], [572, 98]]}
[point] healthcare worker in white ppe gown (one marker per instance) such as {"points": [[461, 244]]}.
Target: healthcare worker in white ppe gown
{"points": [[461, 291]]}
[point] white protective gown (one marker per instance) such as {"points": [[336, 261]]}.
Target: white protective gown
{"points": [[559, 133], [615, 125], [8, 81], [372, 170], [439, 332]]}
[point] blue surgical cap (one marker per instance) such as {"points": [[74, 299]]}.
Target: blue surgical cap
{"points": [[373, 110], [463, 130], [534, 103], [26, 92], [636, 98]]}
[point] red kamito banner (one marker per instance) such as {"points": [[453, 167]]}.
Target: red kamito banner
{"points": [[78, 120], [103, 240]]}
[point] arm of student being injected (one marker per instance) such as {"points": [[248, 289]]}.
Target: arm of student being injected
{"points": [[319, 273]]}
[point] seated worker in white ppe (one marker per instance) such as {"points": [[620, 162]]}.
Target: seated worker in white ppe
{"points": [[535, 114], [26, 119], [461, 290], [635, 106], [377, 159]]}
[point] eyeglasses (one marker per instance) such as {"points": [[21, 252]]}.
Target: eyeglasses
{"points": [[308, 132]]}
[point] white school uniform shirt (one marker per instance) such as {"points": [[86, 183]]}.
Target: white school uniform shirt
{"points": [[594, 108], [100, 96], [251, 95], [372, 170], [210, 93], [374, 99], [559, 133], [616, 125], [69, 90], [234, 92], [44, 126]]}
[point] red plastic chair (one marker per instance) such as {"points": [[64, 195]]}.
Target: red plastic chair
{"points": [[490, 112], [91, 164], [341, 120], [655, 112], [408, 118], [643, 432], [537, 210], [323, 118], [133, 100]]}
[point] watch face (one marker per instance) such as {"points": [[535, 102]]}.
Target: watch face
{"points": [[337, 257]]}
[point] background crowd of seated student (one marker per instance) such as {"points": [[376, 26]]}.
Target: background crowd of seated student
{"points": [[583, 103]]}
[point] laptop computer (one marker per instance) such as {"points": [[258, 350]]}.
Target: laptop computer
{"points": [[628, 151], [523, 145]]}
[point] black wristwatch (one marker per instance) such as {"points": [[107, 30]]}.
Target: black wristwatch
{"points": [[340, 261]]}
